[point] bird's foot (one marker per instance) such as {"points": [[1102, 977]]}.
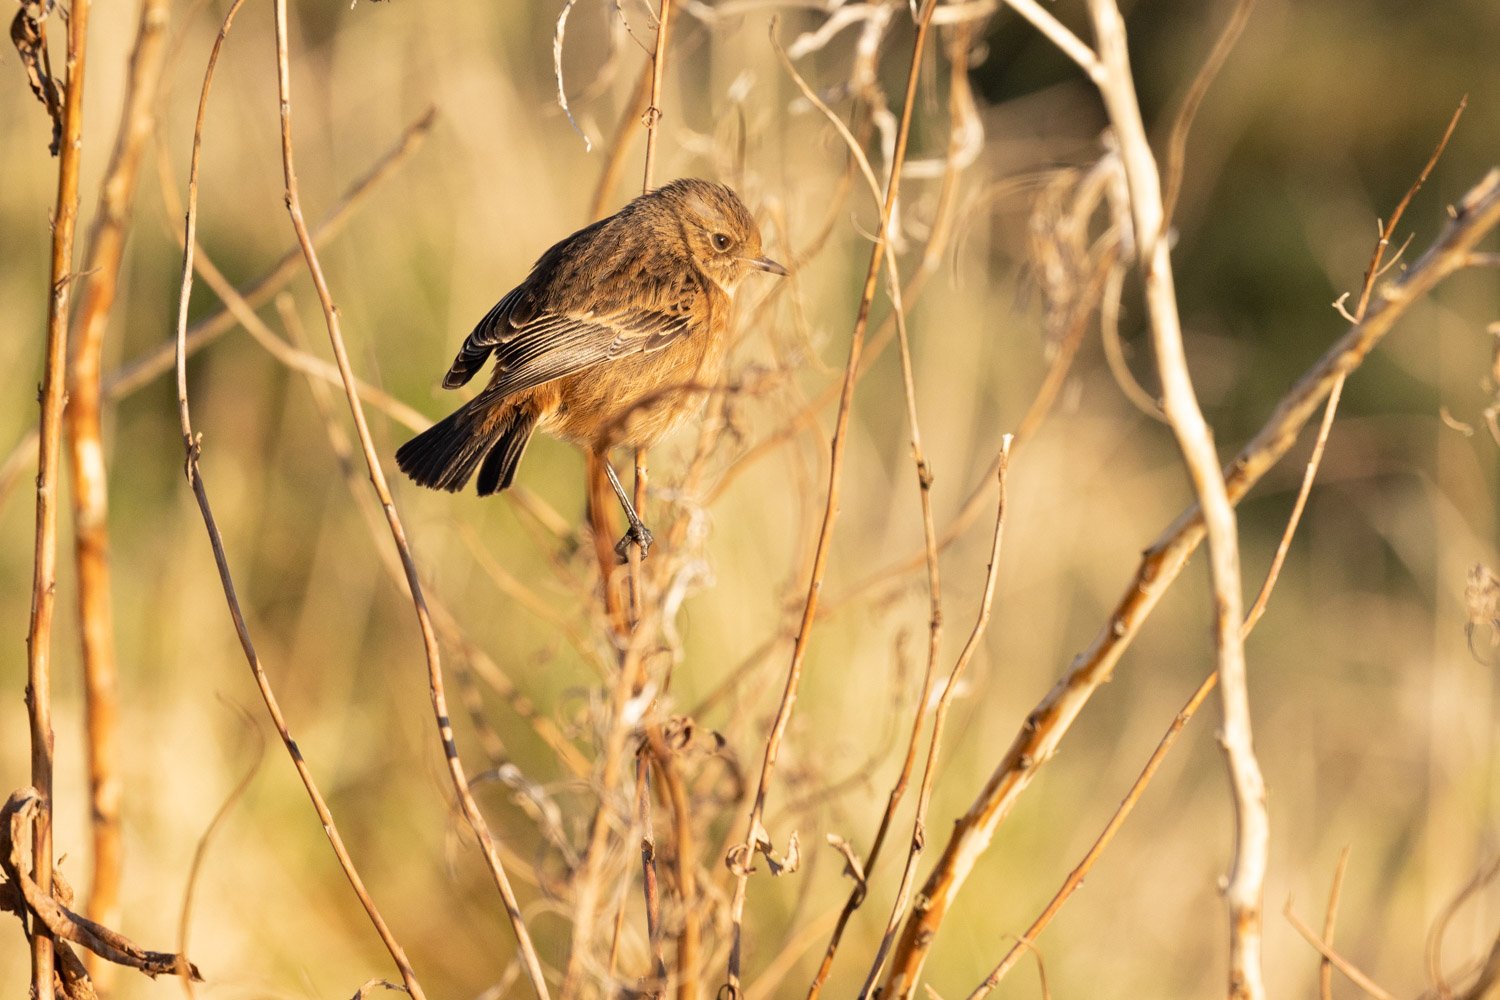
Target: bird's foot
{"points": [[638, 534]]}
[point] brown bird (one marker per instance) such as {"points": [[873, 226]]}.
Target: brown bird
{"points": [[611, 340]]}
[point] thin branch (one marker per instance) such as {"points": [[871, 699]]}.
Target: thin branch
{"points": [[1067, 43], [1330, 919], [935, 741], [86, 462], [447, 623], [624, 622], [685, 865], [1080, 871], [1246, 885], [295, 358], [193, 449], [44, 565], [653, 109], [587, 883], [651, 121], [1197, 91], [460, 782], [932, 257], [48, 917], [1388, 231], [1309, 473], [650, 885], [1439, 930], [1372, 272], [160, 360], [200, 850], [958, 82], [1148, 772], [614, 160], [558, 35], [753, 824], [1114, 350], [1470, 221], [1338, 961]]}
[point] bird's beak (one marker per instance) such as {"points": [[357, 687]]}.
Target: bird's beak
{"points": [[766, 264]]}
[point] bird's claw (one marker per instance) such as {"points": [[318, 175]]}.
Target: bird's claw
{"points": [[638, 534]]}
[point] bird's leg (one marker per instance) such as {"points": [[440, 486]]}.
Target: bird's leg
{"points": [[638, 534]]}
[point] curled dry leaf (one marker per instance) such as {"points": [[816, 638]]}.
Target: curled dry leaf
{"points": [[28, 32], [783, 865], [736, 859], [737, 862], [852, 865], [15, 827]]}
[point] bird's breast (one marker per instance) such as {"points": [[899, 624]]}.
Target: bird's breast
{"points": [[638, 399]]}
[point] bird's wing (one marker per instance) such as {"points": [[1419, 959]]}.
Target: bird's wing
{"points": [[496, 327], [521, 306], [555, 344]]}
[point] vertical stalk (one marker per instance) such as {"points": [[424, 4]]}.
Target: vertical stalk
{"points": [[90, 491], [743, 855], [49, 441], [1246, 884]]}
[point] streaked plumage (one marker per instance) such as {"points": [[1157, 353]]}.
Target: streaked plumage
{"points": [[612, 339]]}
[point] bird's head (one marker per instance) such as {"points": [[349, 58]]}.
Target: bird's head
{"points": [[722, 237]]}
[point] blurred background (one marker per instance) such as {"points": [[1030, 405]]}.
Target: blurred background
{"points": [[1374, 720]]}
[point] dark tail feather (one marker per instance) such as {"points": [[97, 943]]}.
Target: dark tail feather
{"points": [[499, 466], [445, 455]]}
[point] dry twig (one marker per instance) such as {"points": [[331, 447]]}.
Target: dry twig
{"points": [[44, 562], [1252, 618], [939, 716], [958, 83], [106, 246], [460, 783], [1195, 440], [193, 448], [1474, 217], [753, 832], [1338, 961]]}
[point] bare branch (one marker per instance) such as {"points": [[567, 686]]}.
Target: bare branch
{"points": [[193, 447], [44, 556], [830, 511], [460, 783], [1046, 724]]}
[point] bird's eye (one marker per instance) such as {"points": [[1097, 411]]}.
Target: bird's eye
{"points": [[721, 242]]}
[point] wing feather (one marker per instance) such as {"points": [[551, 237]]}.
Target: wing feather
{"points": [[554, 345], [488, 333], [536, 334]]}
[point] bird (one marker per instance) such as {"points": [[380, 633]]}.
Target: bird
{"points": [[613, 339]]}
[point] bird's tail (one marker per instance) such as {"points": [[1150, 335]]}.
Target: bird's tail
{"points": [[445, 455]]}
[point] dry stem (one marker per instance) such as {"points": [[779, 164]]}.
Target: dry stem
{"points": [[1076, 876], [1471, 220], [1252, 618], [1195, 439], [958, 82], [935, 741], [159, 361], [625, 621], [44, 572], [471, 811], [1338, 961], [86, 459], [825, 534], [1330, 918], [192, 447]]}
